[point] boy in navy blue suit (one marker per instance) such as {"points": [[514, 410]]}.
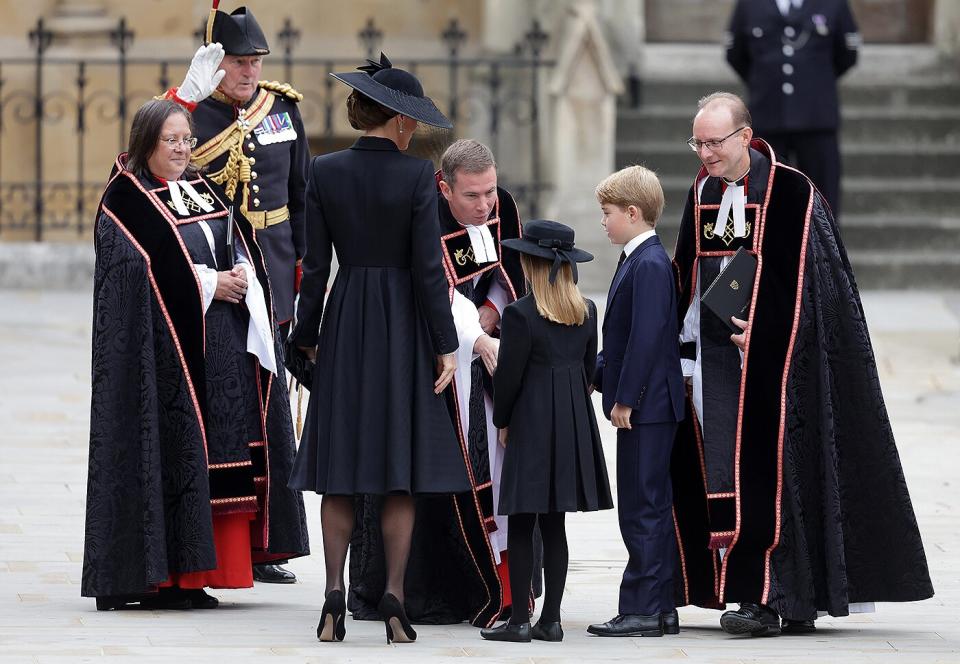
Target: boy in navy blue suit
{"points": [[638, 373]]}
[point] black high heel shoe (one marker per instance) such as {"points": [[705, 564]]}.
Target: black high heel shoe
{"points": [[395, 620], [331, 626]]}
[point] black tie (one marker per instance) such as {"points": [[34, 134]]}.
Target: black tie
{"points": [[623, 257]]}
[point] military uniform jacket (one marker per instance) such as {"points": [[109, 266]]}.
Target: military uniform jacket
{"points": [[259, 154], [791, 63]]}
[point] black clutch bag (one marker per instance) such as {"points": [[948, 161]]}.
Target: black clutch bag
{"points": [[298, 364], [730, 293]]}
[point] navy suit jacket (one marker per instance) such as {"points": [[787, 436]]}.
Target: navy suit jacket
{"points": [[640, 362]]}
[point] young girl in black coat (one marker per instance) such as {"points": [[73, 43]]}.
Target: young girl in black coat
{"points": [[554, 461]]}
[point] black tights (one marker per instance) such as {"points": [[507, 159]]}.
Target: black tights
{"points": [[396, 524], [555, 558]]}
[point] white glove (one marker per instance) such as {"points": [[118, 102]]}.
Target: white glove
{"points": [[203, 76]]}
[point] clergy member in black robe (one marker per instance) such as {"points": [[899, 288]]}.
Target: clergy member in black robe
{"points": [[191, 442], [786, 463]]}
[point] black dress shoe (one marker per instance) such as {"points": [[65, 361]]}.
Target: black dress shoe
{"points": [[630, 625], [507, 632], [167, 599], [273, 574], [671, 622], [201, 600], [547, 631], [117, 602], [797, 626], [752, 619]]}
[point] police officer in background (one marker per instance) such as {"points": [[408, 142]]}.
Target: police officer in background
{"points": [[790, 54], [252, 142]]}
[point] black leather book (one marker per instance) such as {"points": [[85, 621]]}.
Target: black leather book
{"points": [[729, 294]]}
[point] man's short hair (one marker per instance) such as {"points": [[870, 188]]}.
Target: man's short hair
{"points": [[637, 186], [466, 156], [738, 109]]}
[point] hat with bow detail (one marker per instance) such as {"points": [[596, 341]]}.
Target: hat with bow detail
{"points": [[551, 240], [396, 89]]}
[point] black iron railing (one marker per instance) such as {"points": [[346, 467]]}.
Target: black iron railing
{"points": [[49, 188]]}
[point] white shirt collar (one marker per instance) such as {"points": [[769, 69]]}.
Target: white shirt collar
{"points": [[637, 241], [784, 5]]}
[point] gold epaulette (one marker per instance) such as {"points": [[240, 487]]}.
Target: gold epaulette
{"points": [[284, 89]]}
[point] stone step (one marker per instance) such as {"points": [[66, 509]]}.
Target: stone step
{"points": [[859, 159], [911, 196], [891, 94], [905, 269], [916, 127], [900, 233]]}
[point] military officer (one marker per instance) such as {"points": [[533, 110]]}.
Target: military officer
{"points": [[790, 54], [252, 143]]}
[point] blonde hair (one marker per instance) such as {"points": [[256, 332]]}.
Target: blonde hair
{"points": [[559, 302], [637, 186]]}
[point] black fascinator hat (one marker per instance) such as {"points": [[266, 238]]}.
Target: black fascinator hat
{"points": [[396, 89], [551, 240]]}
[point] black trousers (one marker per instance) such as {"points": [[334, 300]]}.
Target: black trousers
{"points": [[645, 510], [817, 154]]}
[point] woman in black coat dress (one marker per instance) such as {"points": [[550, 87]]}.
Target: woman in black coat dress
{"points": [[377, 422], [554, 460]]}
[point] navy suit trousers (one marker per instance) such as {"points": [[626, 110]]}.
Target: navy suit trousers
{"points": [[645, 508]]}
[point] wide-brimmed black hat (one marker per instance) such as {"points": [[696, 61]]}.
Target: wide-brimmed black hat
{"points": [[551, 240], [396, 89], [239, 33]]}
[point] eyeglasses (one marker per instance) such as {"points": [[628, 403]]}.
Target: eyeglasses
{"points": [[189, 142], [714, 144]]}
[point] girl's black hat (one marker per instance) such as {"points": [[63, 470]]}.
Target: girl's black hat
{"points": [[551, 240]]}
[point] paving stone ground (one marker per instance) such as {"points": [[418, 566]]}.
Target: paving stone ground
{"points": [[44, 417]]}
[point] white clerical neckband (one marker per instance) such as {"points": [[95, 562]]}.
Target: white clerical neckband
{"points": [[177, 187], [484, 248], [734, 198]]}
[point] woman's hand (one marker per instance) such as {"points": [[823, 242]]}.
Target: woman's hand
{"points": [[446, 365], [231, 286]]}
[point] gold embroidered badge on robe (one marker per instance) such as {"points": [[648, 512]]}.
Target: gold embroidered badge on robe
{"points": [[728, 237], [192, 206], [463, 256]]}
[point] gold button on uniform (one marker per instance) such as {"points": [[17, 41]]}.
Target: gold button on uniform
{"points": [[252, 161], [251, 146], [256, 188], [256, 202], [253, 175]]}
